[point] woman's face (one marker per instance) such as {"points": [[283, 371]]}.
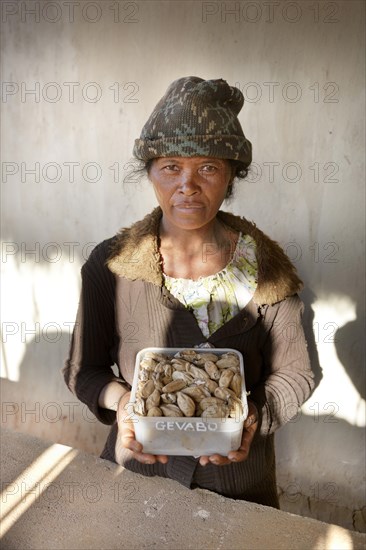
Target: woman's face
{"points": [[190, 191]]}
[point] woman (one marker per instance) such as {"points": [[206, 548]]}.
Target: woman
{"points": [[189, 275]]}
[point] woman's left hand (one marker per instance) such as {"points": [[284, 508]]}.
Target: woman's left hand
{"points": [[249, 429]]}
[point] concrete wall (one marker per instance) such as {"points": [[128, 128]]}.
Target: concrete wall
{"points": [[79, 80]]}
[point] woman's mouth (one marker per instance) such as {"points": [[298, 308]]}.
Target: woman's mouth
{"points": [[189, 205]]}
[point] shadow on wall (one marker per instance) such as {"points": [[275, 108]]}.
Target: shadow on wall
{"points": [[308, 297], [350, 346], [40, 403], [320, 457]]}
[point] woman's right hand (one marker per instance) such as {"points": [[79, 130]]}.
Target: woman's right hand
{"points": [[126, 433]]}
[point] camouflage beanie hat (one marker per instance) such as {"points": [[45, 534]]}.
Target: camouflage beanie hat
{"points": [[196, 117]]}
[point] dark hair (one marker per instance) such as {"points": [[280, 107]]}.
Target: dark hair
{"points": [[239, 171]]}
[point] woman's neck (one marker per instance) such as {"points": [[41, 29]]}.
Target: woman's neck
{"points": [[191, 241], [195, 253]]}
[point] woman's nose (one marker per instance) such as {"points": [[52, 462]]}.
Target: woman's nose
{"points": [[188, 182]]}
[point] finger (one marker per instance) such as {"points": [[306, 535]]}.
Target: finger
{"points": [[214, 459], [128, 439], [203, 461], [252, 417], [250, 420], [162, 459], [145, 458], [243, 451], [218, 460], [129, 442]]}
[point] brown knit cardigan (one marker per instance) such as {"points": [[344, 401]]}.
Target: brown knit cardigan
{"points": [[125, 307]]}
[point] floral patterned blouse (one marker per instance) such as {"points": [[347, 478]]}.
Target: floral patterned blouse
{"points": [[216, 299]]}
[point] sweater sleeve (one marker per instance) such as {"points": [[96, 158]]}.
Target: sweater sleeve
{"points": [[287, 377], [88, 367]]}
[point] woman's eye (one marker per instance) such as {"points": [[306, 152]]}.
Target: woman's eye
{"points": [[170, 168], [209, 168]]}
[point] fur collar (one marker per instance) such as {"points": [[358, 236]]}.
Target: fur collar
{"points": [[135, 255]]}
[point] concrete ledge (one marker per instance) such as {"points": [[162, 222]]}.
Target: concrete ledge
{"points": [[55, 497]]}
